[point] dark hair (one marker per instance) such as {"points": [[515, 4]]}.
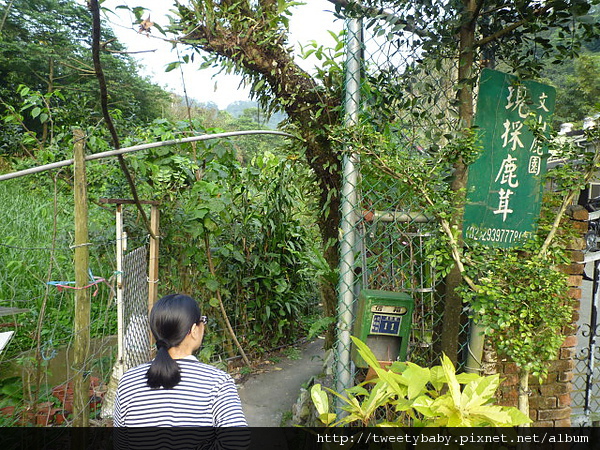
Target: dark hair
{"points": [[171, 319]]}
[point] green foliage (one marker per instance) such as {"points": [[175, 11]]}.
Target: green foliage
{"points": [[259, 244], [419, 396], [258, 220], [522, 303], [330, 69], [577, 88], [319, 325], [30, 258], [292, 353], [12, 391], [522, 35], [424, 172], [44, 47]]}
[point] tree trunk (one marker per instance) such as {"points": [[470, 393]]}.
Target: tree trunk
{"points": [[524, 393], [310, 107], [453, 302], [329, 223], [329, 294]]}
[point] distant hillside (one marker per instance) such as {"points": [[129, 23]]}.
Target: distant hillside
{"points": [[236, 109]]}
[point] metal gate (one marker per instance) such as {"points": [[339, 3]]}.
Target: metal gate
{"points": [[137, 273], [585, 396], [393, 258]]}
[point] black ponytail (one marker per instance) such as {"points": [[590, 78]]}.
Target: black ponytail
{"points": [[171, 319]]}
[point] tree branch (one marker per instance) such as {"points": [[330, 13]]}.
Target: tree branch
{"points": [[386, 14], [95, 10], [503, 32]]}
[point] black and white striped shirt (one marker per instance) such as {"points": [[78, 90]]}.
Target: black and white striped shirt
{"points": [[205, 397]]}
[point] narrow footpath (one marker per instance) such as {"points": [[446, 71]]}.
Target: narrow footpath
{"points": [[269, 394]]}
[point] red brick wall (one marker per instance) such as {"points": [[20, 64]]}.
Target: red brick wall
{"points": [[550, 401]]}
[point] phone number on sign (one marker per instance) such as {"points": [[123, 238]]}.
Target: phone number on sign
{"points": [[496, 234]]}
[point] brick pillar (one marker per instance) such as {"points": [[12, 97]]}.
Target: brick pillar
{"points": [[549, 402]]}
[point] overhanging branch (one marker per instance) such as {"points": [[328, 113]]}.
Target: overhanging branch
{"points": [[95, 10], [503, 32], [384, 13]]}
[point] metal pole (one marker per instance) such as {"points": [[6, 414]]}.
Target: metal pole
{"points": [[349, 201], [153, 264], [120, 236], [135, 148], [475, 347], [592, 344], [108, 404]]}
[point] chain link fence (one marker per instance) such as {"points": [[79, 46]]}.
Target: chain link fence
{"points": [[136, 339], [36, 269], [386, 232]]}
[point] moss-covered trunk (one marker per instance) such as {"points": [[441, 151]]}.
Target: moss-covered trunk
{"points": [[249, 40], [452, 301]]}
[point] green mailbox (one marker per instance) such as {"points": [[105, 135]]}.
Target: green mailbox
{"points": [[383, 322]]}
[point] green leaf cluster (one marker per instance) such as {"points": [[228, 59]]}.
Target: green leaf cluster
{"points": [[418, 396], [522, 304], [47, 79], [255, 207]]}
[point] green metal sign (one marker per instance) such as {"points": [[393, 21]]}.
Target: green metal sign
{"points": [[504, 184]]}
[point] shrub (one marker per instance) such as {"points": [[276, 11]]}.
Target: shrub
{"points": [[419, 396]]}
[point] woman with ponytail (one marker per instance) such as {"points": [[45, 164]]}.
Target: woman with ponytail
{"points": [[175, 389]]}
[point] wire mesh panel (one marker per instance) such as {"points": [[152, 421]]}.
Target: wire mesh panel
{"points": [[393, 259], [136, 339], [408, 96], [585, 394]]}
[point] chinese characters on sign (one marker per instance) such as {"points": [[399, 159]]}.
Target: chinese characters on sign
{"points": [[504, 186]]}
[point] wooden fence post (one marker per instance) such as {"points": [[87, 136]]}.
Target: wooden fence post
{"points": [[81, 343]]}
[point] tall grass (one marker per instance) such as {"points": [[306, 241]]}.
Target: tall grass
{"points": [[36, 232]]}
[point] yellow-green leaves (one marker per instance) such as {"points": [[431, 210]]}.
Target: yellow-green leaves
{"points": [[450, 373], [420, 396], [321, 402]]}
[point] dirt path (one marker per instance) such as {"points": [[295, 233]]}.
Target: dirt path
{"points": [[268, 395]]}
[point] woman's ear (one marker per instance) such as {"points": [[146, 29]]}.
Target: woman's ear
{"points": [[197, 330], [197, 334]]}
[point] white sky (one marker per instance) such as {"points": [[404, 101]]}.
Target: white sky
{"points": [[309, 22]]}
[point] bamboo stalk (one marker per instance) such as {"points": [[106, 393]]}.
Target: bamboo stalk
{"points": [[82, 301], [136, 148]]}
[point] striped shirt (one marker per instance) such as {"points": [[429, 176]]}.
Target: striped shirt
{"points": [[205, 397]]}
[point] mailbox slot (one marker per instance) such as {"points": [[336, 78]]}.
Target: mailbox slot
{"points": [[383, 322]]}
